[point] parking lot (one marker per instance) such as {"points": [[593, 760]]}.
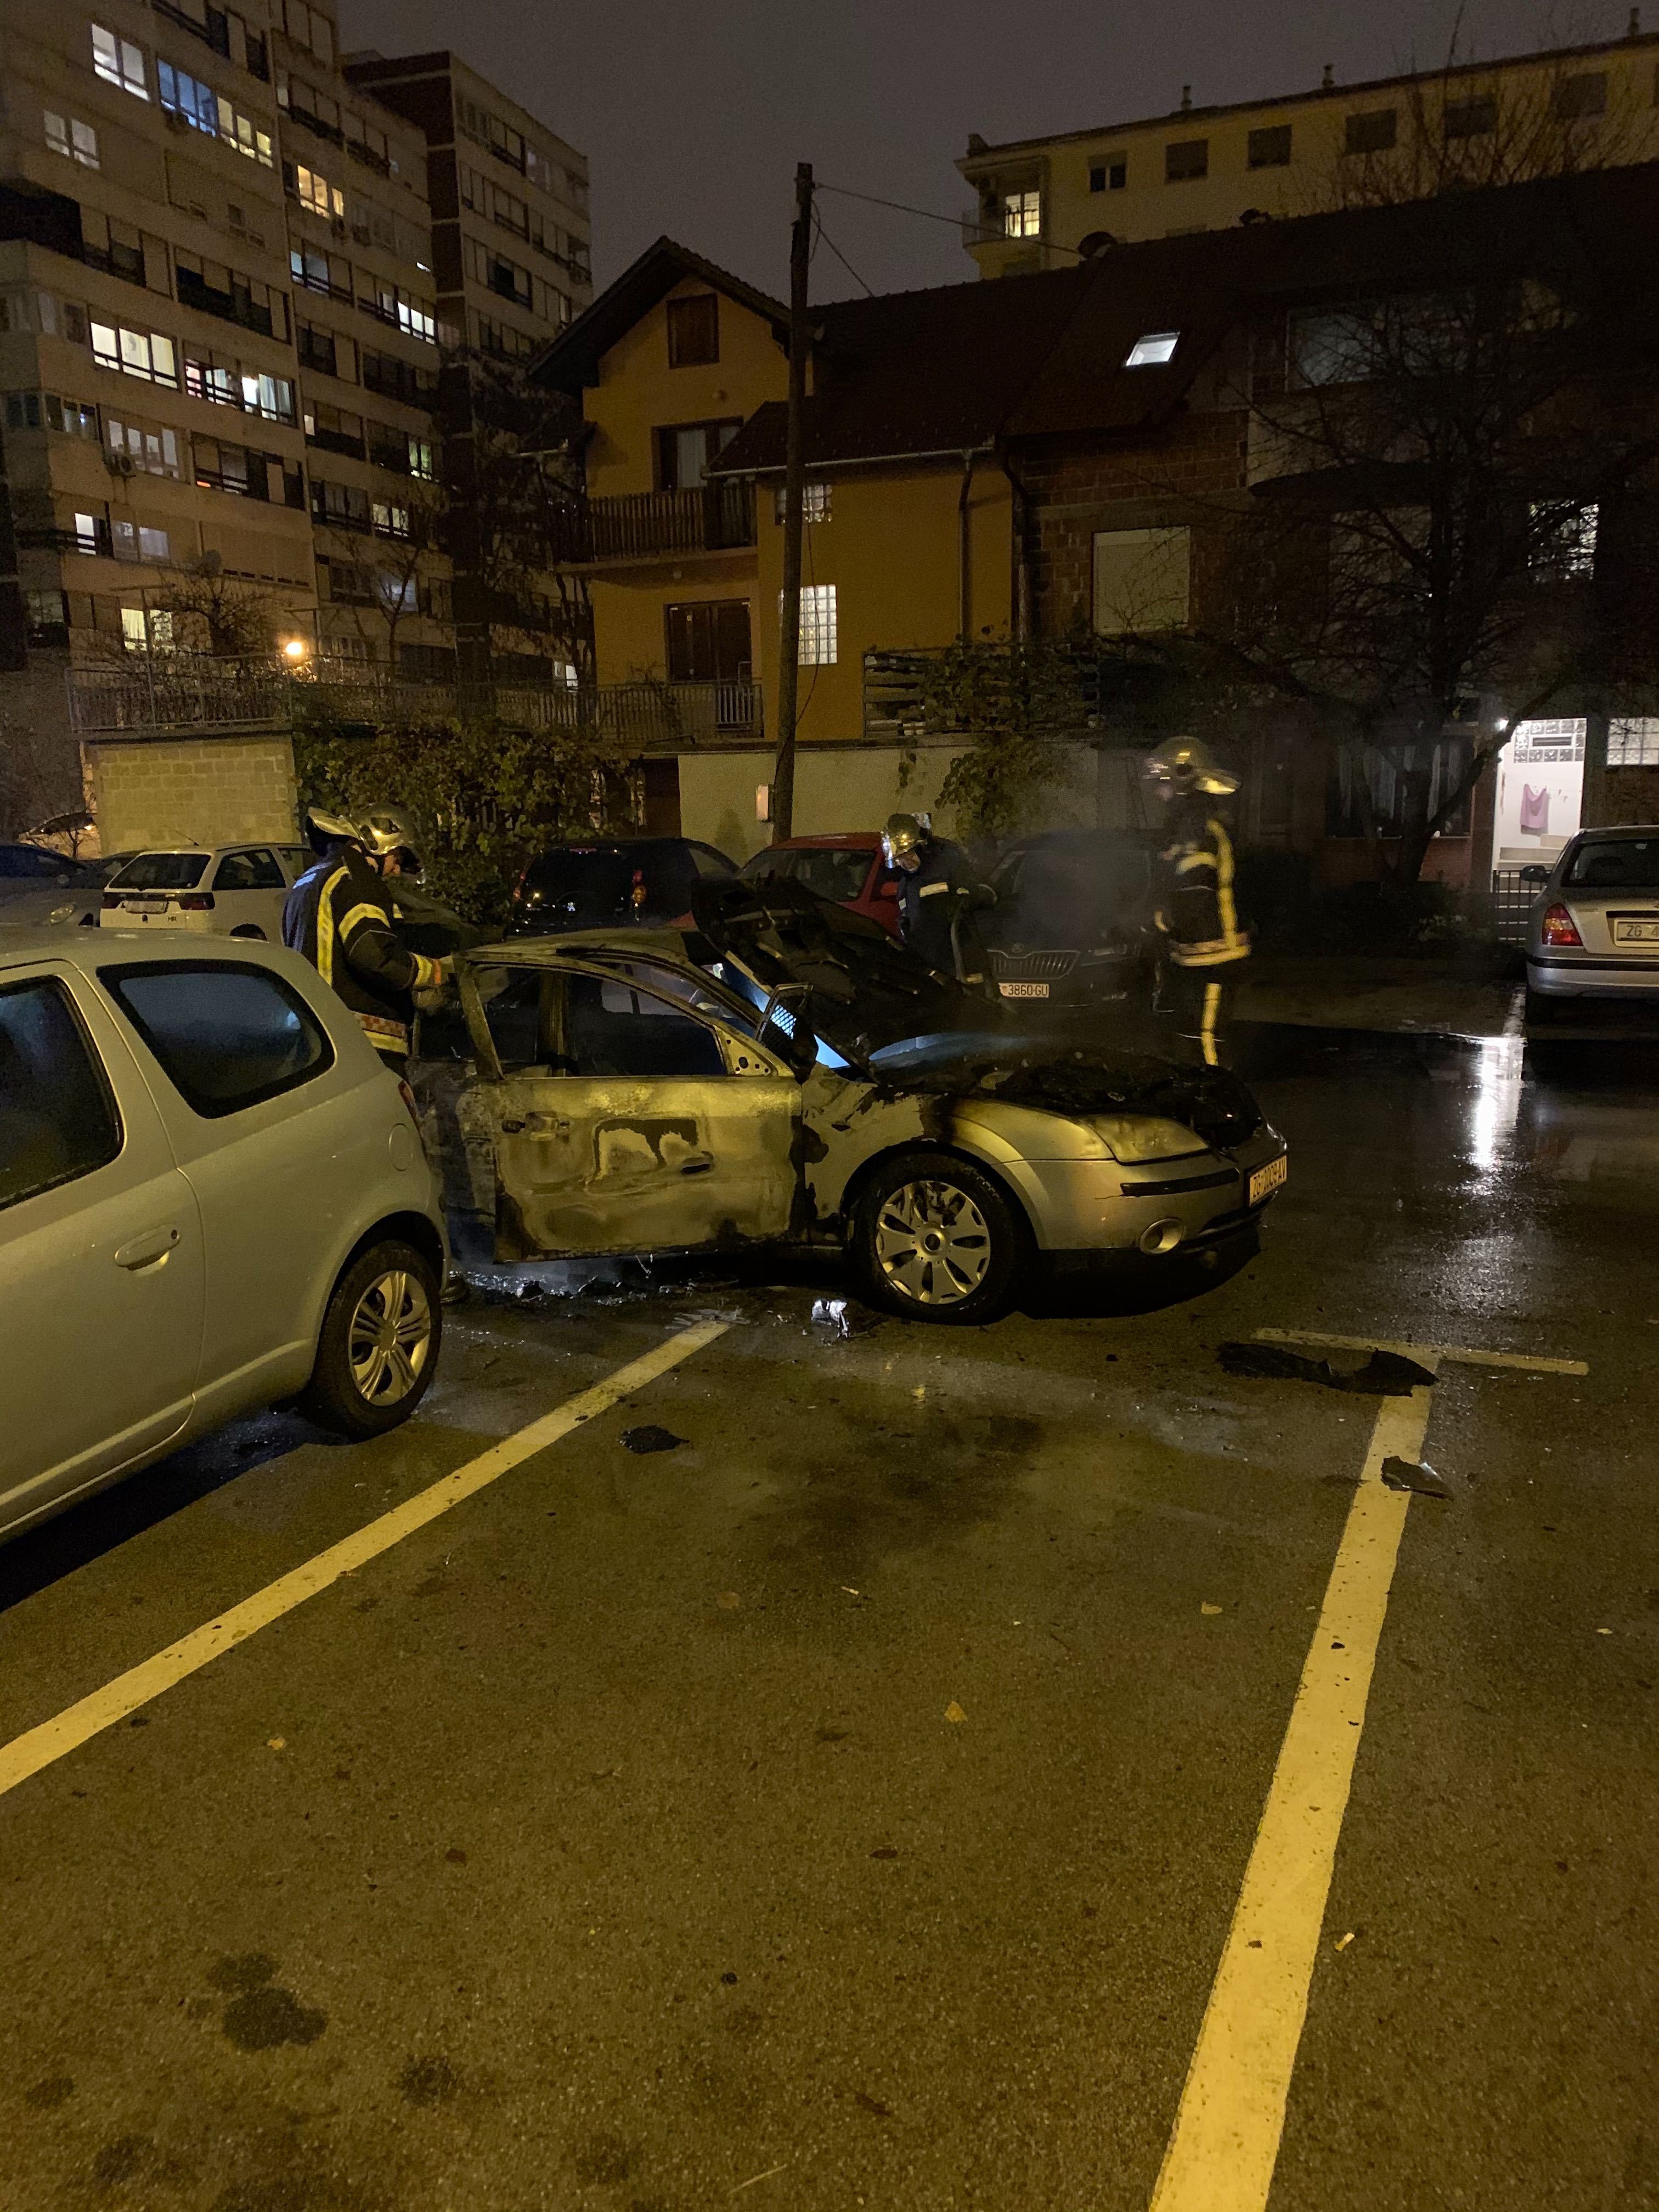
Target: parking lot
{"points": [[868, 1796]]}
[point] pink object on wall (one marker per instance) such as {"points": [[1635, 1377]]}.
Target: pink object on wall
{"points": [[1534, 811]]}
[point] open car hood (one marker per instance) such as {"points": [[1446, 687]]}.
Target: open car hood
{"points": [[864, 991]]}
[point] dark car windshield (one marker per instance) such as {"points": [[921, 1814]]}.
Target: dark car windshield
{"points": [[1614, 864], [33, 862], [161, 872], [1071, 888], [588, 886]]}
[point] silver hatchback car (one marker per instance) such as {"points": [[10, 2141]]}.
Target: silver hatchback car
{"points": [[1594, 931], [212, 1197]]}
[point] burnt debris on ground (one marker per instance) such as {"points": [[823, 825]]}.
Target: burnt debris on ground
{"points": [[1384, 1375]]}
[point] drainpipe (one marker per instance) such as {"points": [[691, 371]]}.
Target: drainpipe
{"points": [[1019, 581], [964, 563]]}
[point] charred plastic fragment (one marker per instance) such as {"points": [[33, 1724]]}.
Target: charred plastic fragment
{"points": [[1384, 1375]]}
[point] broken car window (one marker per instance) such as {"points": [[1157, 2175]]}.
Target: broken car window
{"points": [[616, 1029]]}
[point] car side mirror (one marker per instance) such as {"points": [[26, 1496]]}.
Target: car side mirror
{"points": [[887, 888], [1535, 874]]}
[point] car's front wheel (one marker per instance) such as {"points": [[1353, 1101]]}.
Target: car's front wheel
{"points": [[934, 1238], [379, 1342]]}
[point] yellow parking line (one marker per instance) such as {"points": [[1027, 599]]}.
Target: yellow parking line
{"points": [[1224, 2144], [1426, 1354], [28, 1753]]}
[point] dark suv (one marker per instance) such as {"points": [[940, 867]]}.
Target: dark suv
{"points": [[611, 880]]}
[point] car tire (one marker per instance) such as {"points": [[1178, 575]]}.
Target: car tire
{"points": [[933, 1239], [379, 1342], [249, 929]]}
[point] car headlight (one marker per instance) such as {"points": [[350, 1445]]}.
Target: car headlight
{"points": [[61, 913], [1132, 1137]]}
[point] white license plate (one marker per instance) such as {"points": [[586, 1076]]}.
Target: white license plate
{"points": [[1268, 1180], [1636, 933], [144, 906], [1023, 990]]}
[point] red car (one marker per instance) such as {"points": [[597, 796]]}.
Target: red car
{"points": [[846, 867]]}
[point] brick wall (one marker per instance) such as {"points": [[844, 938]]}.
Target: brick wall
{"points": [[1183, 474], [198, 791]]}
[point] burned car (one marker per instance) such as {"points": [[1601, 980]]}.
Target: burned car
{"points": [[785, 1073]]}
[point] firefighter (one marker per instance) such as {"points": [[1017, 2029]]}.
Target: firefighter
{"points": [[339, 915], [938, 894], [1199, 917]]}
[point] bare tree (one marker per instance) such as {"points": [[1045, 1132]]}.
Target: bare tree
{"points": [[211, 612]]}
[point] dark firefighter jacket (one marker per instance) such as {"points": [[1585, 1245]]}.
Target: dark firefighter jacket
{"points": [[942, 891], [1199, 912], [339, 916]]}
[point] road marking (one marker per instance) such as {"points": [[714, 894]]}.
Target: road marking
{"points": [[1426, 1354], [27, 1754], [1224, 2144]]}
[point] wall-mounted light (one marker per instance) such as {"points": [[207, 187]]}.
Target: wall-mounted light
{"points": [[295, 650]]}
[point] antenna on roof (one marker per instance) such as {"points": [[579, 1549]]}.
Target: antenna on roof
{"points": [[1328, 82], [1186, 98]]}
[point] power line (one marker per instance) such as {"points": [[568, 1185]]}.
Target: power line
{"points": [[840, 256], [932, 215]]}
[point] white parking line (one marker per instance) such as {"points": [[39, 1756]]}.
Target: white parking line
{"points": [[1224, 2144], [1427, 1354], [39, 1747]]}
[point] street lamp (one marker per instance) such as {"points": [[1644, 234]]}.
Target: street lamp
{"points": [[295, 650]]}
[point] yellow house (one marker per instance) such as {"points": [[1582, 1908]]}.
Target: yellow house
{"points": [[1039, 202], [910, 531]]}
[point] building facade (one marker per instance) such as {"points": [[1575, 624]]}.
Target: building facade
{"points": [[1039, 203], [222, 338]]}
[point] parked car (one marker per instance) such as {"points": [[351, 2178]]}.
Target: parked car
{"points": [[212, 1197], [1071, 928], [784, 1072], [848, 868], [1594, 931], [34, 871], [56, 902], [613, 882], [228, 890]]}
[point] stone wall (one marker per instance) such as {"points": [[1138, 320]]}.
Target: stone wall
{"points": [[191, 791]]}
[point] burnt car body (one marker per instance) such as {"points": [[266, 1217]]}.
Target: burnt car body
{"points": [[1071, 928], [785, 1073]]}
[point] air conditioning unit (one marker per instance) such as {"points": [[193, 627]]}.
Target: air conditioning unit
{"points": [[119, 465], [174, 121]]}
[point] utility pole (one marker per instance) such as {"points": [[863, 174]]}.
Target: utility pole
{"points": [[794, 470]]}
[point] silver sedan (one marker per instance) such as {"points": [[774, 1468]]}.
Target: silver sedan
{"points": [[1594, 932]]}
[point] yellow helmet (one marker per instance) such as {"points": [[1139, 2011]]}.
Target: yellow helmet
{"points": [[1181, 764], [905, 833]]}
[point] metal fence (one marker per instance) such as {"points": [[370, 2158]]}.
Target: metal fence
{"points": [[1507, 907]]}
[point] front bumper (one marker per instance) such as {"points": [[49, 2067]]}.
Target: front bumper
{"points": [[1591, 978], [1102, 1206]]}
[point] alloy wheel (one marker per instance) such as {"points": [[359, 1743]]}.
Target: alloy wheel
{"points": [[933, 1243], [390, 1339]]}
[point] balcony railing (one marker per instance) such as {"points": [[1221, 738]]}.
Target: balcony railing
{"points": [[642, 526], [656, 717]]}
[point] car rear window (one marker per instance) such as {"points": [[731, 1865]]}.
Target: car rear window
{"points": [[255, 870], [832, 872], [58, 1117], [161, 872], [587, 882], [227, 1036], [1615, 863]]}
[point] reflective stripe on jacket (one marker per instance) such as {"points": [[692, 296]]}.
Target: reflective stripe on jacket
{"points": [[1200, 915], [338, 915]]}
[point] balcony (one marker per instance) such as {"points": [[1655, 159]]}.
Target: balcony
{"points": [[660, 717], [715, 518]]}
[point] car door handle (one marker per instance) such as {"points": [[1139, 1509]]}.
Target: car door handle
{"points": [[699, 1166], [538, 1124], [146, 1251]]}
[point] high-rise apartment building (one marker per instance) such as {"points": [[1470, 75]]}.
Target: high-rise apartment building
{"points": [[222, 330], [1042, 201]]}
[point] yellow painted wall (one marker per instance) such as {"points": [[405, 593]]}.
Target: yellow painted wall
{"points": [[639, 393], [630, 638], [1319, 170]]}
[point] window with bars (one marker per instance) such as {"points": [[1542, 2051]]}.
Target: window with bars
{"points": [[1633, 741]]}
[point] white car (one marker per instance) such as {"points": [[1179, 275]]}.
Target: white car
{"points": [[229, 891], [213, 1197]]}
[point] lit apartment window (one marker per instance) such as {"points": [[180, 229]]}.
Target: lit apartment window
{"points": [[1186, 159], [117, 61], [420, 458], [814, 503], [1373, 131], [1022, 215], [1152, 351], [1109, 176], [817, 626], [136, 541], [1633, 742], [388, 522], [152, 451], [144, 354], [146, 633], [1269, 149], [319, 195], [77, 142], [86, 529]]}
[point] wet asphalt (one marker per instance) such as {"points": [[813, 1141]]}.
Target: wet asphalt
{"points": [[847, 1805]]}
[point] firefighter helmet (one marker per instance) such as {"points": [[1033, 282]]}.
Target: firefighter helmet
{"points": [[1183, 764], [388, 828], [904, 834]]}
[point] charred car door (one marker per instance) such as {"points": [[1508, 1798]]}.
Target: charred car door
{"points": [[622, 1120]]}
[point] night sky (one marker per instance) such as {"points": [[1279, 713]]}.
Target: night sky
{"points": [[694, 116]]}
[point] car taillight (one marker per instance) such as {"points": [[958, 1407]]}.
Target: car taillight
{"points": [[111, 899], [196, 902], [1560, 928]]}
